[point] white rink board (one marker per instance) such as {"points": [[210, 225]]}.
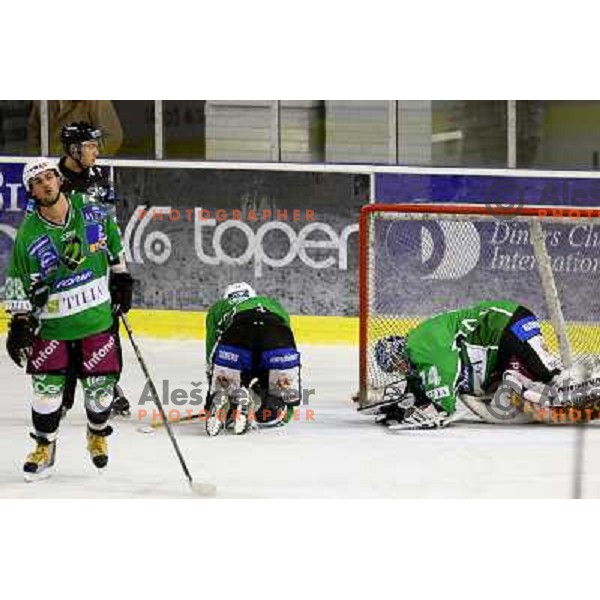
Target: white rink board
{"points": [[340, 454]]}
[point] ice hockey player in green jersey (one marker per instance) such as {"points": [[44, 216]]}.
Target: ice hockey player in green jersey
{"points": [[66, 278], [469, 351], [253, 365]]}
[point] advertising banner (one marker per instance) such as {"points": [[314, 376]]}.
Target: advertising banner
{"points": [[493, 190], [188, 233], [13, 202]]}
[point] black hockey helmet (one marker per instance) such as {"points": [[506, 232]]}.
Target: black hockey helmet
{"points": [[76, 134]]}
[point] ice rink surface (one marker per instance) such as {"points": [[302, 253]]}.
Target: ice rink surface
{"points": [[338, 454]]}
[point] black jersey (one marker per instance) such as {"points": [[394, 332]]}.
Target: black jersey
{"points": [[92, 181]]}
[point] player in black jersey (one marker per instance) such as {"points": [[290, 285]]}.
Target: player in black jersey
{"points": [[81, 174], [78, 165]]}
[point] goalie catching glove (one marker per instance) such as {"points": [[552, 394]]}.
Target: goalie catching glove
{"points": [[428, 417], [401, 410]]}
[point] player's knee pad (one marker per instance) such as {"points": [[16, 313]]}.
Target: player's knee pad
{"points": [[283, 366], [229, 362], [225, 379], [98, 393], [47, 393]]}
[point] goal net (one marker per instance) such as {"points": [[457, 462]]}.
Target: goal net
{"points": [[420, 260]]}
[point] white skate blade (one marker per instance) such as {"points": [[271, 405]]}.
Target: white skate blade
{"points": [[33, 477]]}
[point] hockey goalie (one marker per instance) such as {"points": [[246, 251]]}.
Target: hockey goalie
{"points": [[489, 357]]}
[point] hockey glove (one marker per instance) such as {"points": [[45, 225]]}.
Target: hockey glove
{"points": [[396, 401], [20, 338], [121, 292], [39, 296], [428, 417]]}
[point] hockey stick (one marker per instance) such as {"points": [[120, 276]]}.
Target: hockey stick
{"points": [[202, 489], [154, 425]]}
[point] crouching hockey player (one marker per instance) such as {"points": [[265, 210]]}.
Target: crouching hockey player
{"points": [[59, 295], [253, 366], [490, 355]]}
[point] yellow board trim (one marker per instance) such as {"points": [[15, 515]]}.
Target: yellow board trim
{"points": [[325, 330], [190, 325]]}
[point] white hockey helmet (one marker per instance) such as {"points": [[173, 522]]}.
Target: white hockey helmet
{"points": [[36, 166], [239, 291]]}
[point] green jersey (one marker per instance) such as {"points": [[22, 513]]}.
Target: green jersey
{"points": [[459, 348], [72, 261], [221, 314]]}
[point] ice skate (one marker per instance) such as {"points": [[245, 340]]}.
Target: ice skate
{"points": [[40, 462], [241, 416], [244, 415], [97, 446], [218, 414]]}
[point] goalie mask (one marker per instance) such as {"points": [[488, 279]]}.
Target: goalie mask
{"points": [[239, 291], [391, 354]]}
